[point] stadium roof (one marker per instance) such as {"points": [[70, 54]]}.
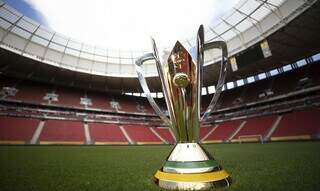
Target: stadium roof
{"points": [[125, 24], [291, 38], [247, 23]]}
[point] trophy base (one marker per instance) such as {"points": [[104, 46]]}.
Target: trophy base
{"points": [[190, 167]]}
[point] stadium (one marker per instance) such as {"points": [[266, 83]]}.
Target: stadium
{"points": [[73, 115]]}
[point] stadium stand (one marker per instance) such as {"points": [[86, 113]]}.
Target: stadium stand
{"points": [[99, 101], [292, 126], [30, 92], [106, 134], [292, 91], [298, 125], [223, 132], [141, 135], [34, 92], [69, 97], [165, 134], [289, 81], [255, 126], [14, 130], [253, 92], [129, 104], [230, 98], [62, 132], [204, 131], [269, 87]]}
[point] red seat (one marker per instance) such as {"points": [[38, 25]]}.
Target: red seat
{"points": [[17, 129], [299, 123], [141, 134], [106, 133], [223, 131], [62, 131], [256, 126], [204, 131], [165, 134], [69, 97]]}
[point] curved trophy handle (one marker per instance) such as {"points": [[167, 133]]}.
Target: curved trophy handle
{"points": [[145, 88], [223, 71]]}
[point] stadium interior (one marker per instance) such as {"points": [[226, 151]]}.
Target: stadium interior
{"points": [[57, 91]]}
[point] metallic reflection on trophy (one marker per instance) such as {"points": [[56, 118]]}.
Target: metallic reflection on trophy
{"points": [[188, 166]]}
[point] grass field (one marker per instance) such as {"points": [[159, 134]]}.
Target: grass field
{"points": [[273, 166]]}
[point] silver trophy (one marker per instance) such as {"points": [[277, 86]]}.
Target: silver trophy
{"points": [[188, 166]]}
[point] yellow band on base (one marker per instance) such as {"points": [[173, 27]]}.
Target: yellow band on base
{"points": [[201, 177]]}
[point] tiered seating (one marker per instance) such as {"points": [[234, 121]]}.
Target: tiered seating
{"points": [[106, 134], [27, 91], [129, 104], [298, 125], [222, 132], [204, 131], [288, 81], [165, 134], [231, 97], [142, 135], [15, 130], [99, 101], [148, 107], [250, 92], [253, 90], [256, 126], [145, 103], [30, 92], [69, 97], [62, 132]]}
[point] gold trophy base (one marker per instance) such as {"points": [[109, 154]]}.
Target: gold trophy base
{"points": [[190, 168], [201, 181]]}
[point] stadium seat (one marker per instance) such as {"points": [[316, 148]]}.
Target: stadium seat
{"points": [[204, 131], [289, 81], [298, 125], [222, 132], [14, 130], [256, 126], [141, 134], [165, 134], [102, 133], [99, 101], [62, 132], [69, 97]]}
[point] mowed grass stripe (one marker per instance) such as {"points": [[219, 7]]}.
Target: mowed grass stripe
{"points": [[272, 166]]}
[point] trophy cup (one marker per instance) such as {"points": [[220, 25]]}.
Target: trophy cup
{"points": [[189, 166]]}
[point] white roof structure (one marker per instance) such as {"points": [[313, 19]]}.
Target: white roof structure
{"points": [[249, 22]]}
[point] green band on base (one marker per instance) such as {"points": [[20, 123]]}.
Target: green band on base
{"points": [[191, 164]]}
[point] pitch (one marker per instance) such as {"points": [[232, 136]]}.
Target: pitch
{"points": [[270, 166]]}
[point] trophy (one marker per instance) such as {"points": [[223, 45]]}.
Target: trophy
{"points": [[189, 166]]}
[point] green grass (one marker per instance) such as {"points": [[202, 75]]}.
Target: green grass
{"points": [[273, 166]]}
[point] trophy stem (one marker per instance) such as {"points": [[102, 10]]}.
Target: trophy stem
{"points": [[190, 167]]}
